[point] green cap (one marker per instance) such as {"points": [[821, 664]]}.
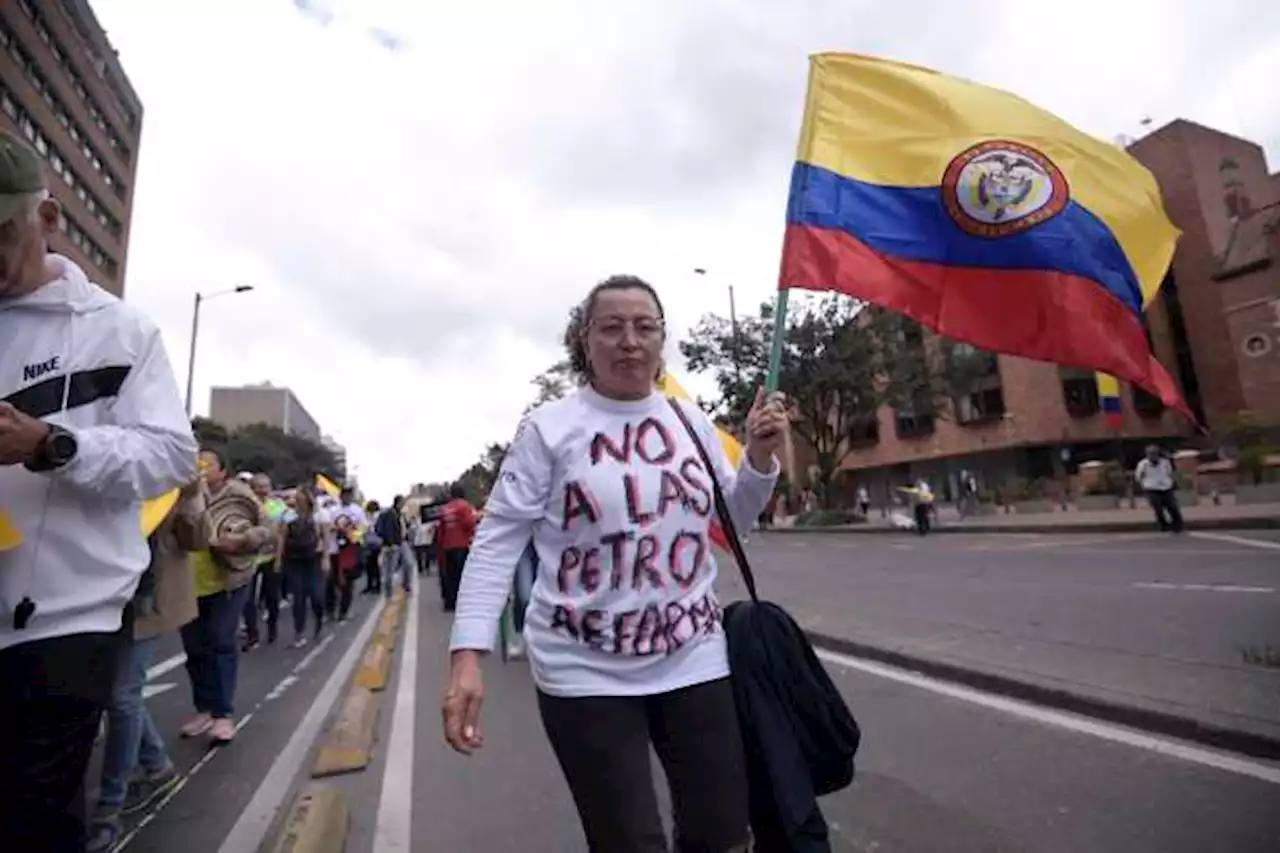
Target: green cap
{"points": [[21, 174]]}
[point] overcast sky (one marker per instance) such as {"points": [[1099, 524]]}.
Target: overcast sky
{"points": [[417, 221]]}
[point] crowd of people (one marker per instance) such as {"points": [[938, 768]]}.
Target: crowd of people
{"points": [[92, 427]]}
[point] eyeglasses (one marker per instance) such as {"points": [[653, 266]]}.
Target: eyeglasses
{"points": [[613, 329]]}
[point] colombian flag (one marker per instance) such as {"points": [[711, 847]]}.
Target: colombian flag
{"points": [[732, 449], [1109, 399], [978, 215]]}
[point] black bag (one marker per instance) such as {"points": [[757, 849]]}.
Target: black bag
{"points": [[800, 736], [301, 542]]}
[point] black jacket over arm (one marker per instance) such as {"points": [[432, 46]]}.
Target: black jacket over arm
{"points": [[799, 735]]}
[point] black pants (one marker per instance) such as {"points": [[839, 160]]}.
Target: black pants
{"points": [[602, 743], [306, 586], [422, 553], [265, 593], [451, 576], [1165, 505], [53, 693], [372, 571], [922, 518]]}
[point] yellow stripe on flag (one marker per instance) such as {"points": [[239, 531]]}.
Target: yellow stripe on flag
{"points": [[156, 510], [10, 535], [327, 486], [732, 448]]}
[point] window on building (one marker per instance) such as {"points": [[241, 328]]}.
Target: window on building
{"points": [[1080, 392], [913, 419], [1184, 361], [980, 406], [864, 431], [1147, 405]]}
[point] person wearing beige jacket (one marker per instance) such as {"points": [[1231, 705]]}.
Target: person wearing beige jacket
{"points": [[164, 602]]}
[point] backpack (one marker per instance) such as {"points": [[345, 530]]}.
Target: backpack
{"points": [[300, 539]]}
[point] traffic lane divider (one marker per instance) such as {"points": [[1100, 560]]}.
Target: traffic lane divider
{"points": [[317, 822], [375, 668]]}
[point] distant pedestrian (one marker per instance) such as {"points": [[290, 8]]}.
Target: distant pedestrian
{"points": [[424, 537], [922, 506], [457, 528], [1155, 476], [303, 561], [396, 552], [864, 501]]}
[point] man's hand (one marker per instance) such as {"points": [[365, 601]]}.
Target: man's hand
{"points": [[20, 435]]}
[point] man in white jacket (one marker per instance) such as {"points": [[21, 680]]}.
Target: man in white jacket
{"points": [[91, 425]]}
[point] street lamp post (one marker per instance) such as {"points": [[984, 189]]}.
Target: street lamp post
{"points": [[195, 331], [733, 323]]}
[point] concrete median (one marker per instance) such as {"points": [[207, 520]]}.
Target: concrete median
{"points": [[349, 744], [375, 668], [317, 823]]}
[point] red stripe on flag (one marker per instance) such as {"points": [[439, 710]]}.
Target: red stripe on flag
{"points": [[717, 536], [1039, 314]]}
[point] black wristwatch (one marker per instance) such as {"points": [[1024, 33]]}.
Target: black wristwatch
{"points": [[58, 448]]}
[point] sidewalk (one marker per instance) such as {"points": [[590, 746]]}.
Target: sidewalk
{"points": [[1139, 519]]}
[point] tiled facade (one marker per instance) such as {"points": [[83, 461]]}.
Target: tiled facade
{"points": [[1215, 325], [62, 89]]}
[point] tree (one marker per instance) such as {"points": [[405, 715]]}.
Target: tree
{"points": [[289, 460], [551, 384], [841, 361], [208, 431]]}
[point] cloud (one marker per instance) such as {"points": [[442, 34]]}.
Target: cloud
{"points": [[419, 193]]}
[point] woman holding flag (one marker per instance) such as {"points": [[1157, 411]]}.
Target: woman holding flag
{"points": [[623, 628]]}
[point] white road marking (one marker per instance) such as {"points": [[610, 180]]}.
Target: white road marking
{"points": [[1063, 720], [1203, 587], [149, 690], [392, 833], [169, 664], [255, 821], [166, 666], [1237, 540]]}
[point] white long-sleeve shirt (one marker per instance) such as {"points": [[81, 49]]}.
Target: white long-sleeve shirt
{"points": [[618, 505]]}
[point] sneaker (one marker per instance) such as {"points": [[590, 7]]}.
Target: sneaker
{"points": [[196, 726], [104, 833], [298, 643], [223, 730], [146, 789], [249, 646]]}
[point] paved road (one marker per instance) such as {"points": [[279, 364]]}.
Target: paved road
{"points": [[277, 687], [942, 769], [1171, 623], [937, 773]]}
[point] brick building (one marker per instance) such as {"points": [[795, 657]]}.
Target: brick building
{"points": [[263, 404], [63, 90], [1215, 324]]}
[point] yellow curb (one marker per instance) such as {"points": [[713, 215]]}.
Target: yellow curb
{"points": [[350, 742], [387, 627], [317, 822], [375, 667]]}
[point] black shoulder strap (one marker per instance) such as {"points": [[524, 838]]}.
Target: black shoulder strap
{"points": [[722, 506]]}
